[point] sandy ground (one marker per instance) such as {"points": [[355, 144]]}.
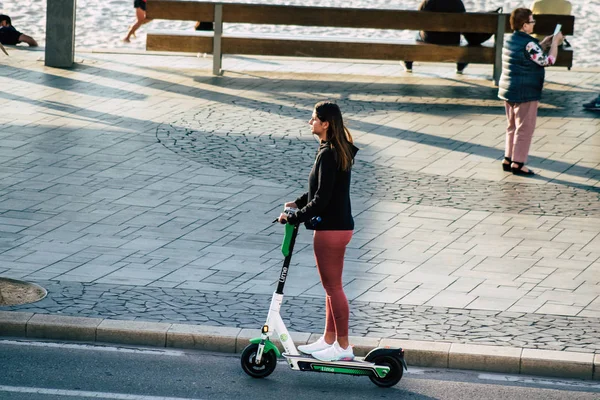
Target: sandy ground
{"points": [[102, 24]]}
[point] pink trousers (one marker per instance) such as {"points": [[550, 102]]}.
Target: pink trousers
{"points": [[519, 132], [330, 247]]}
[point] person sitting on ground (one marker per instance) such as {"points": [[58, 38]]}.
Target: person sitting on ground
{"points": [[10, 36], [593, 105], [450, 38], [556, 7]]}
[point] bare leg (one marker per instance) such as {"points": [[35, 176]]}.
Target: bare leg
{"points": [[141, 20], [28, 39]]}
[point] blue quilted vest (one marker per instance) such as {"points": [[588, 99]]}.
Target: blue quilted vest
{"points": [[522, 79]]}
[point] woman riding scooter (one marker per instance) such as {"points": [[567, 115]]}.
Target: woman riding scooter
{"points": [[328, 197]]}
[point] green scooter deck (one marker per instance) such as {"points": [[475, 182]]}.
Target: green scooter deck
{"points": [[357, 366]]}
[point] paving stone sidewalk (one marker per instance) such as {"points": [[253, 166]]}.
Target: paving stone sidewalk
{"points": [[144, 176], [305, 314], [200, 135]]}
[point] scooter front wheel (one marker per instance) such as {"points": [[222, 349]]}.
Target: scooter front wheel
{"points": [[393, 376], [267, 364]]}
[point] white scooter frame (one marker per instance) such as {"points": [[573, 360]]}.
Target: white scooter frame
{"points": [[384, 366]]}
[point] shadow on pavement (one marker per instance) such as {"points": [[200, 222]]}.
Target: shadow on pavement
{"points": [[69, 84], [288, 87]]}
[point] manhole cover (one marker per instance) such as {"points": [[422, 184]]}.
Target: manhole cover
{"points": [[13, 292]]}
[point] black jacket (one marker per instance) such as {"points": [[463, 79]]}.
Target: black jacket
{"points": [[522, 80], [449, 6], [328, 194]]}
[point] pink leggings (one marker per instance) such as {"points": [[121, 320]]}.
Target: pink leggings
{"points": [[521, 119], [330, 247]]}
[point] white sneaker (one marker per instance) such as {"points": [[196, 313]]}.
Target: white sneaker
{"points": [[334, 353], [319, 345]]}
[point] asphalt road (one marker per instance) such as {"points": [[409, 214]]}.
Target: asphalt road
{"points": [[48, 371]]}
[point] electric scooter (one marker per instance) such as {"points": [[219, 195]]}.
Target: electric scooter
{"points": [[383, 366]]}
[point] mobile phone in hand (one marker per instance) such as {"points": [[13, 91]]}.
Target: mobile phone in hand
{"points": [[557, 29]]}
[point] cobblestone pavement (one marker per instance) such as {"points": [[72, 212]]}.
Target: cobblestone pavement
{"points": [[305, 314], [247, 148], [91, 199]]}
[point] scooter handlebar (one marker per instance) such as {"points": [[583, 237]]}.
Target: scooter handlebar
{"points": [[289, 211], [313, 220]]}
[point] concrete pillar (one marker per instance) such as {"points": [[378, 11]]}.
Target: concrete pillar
{"points": [[60, 33]]}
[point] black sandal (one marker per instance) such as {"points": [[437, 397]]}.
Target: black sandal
{"points": [[506, 167], [519, 171]]}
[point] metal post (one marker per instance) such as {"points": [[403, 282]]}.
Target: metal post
{"points": [[498, 45], [60, 33], [218, 33]]}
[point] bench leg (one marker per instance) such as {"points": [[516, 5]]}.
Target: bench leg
{"points": [[218, 33]]}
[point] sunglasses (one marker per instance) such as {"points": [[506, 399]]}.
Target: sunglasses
{"points": [[531, 22]]}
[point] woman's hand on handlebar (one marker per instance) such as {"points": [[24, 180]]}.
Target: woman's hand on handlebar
{"points": [[289, 208]]}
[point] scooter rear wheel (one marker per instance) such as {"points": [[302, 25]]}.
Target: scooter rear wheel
{"points": [[393, 376], [267, 364]]}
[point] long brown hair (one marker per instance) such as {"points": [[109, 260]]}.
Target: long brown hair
{"points": [[338, 135]]}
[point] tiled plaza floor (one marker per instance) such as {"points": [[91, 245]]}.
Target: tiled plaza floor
{"points": [[146, 174]]}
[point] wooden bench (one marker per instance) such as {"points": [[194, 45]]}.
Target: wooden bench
{"points": [[218, 43]]}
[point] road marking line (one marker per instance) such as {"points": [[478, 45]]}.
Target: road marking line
{"points": [[173, 353], [539, 381], [83, 393]]}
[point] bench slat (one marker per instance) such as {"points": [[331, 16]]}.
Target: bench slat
{"points": [[545, 24], [179, 43], [318, 47], [359, 18], [346, 17], [180, 10], [288, 37], [351, 48], [381, 51], [325, 16]]}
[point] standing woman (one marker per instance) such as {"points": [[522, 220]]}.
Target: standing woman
{"points": [[328, 197], [140, 13], [521, 83]]}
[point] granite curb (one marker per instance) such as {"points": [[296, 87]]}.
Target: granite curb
{"points": [[513, 360]]}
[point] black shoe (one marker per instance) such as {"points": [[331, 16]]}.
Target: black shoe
{"points": [[519, 170], [593, 105], [506, 167], [204, 26]]}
